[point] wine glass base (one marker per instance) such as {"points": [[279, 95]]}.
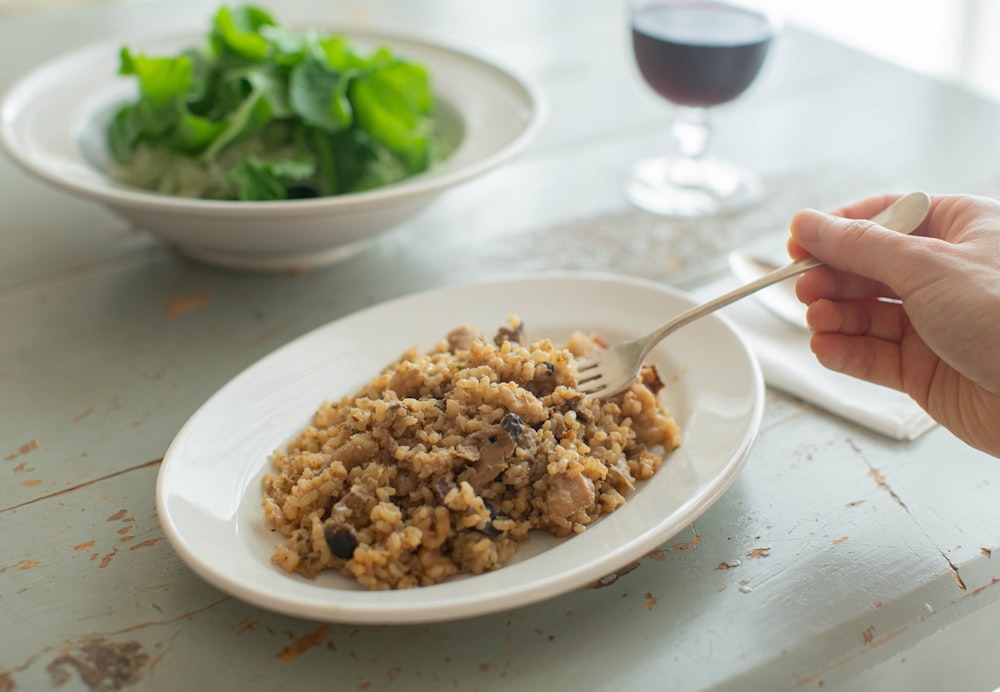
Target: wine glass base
{"points": [[674, 186]]}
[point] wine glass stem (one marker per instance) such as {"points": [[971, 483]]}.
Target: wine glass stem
{"points": [[691, 131]]}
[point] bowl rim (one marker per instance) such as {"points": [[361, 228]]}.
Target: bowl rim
{"points": [[115, 194]]}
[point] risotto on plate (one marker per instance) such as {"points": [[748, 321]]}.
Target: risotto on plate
{"points": [[449, 459]]}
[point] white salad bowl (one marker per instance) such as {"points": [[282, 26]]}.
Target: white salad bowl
{"points": [[53, 120]]}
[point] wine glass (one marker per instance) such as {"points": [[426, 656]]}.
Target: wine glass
{"points": [[697, 54]]}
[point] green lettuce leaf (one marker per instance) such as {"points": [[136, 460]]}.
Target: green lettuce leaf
{"points": [[261, 180], [263, 112], [163, 87], [318, 94], [393, 104], [239, 31]]}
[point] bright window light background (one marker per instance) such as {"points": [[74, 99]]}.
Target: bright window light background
{"points": [[949, 39]]}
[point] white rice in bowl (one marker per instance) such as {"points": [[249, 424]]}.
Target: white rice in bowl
{"points": [[447, 460]]}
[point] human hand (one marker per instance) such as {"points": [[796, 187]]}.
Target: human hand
{"points": [[918, 313]]}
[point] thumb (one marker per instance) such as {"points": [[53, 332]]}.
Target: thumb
{"points": [[861, 247]]}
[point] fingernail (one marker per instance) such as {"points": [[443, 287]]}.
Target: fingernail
{"points": [[806, 223]]}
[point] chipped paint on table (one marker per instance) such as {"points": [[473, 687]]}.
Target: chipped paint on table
{"points": [[834, 553]]}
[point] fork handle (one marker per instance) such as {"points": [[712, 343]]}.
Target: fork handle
{"points": [[904, 215], [803, 264]]}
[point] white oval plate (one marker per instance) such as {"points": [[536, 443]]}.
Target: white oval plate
{"points": [[208, 491], [52, 123]]}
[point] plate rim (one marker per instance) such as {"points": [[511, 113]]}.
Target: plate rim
{"points": [[430, 609]]}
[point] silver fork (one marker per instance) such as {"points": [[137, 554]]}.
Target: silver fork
{"points": [[609, 372]]}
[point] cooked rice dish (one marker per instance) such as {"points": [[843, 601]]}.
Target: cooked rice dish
{"points": [[448, 460]]}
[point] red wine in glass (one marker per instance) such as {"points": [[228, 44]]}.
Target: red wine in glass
{"points": [[700, 54], [697, 54]]}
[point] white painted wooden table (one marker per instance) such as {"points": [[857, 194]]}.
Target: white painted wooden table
{"points": [[838, 557]]}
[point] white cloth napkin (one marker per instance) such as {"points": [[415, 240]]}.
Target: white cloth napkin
{"points": [[789, 365]]}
